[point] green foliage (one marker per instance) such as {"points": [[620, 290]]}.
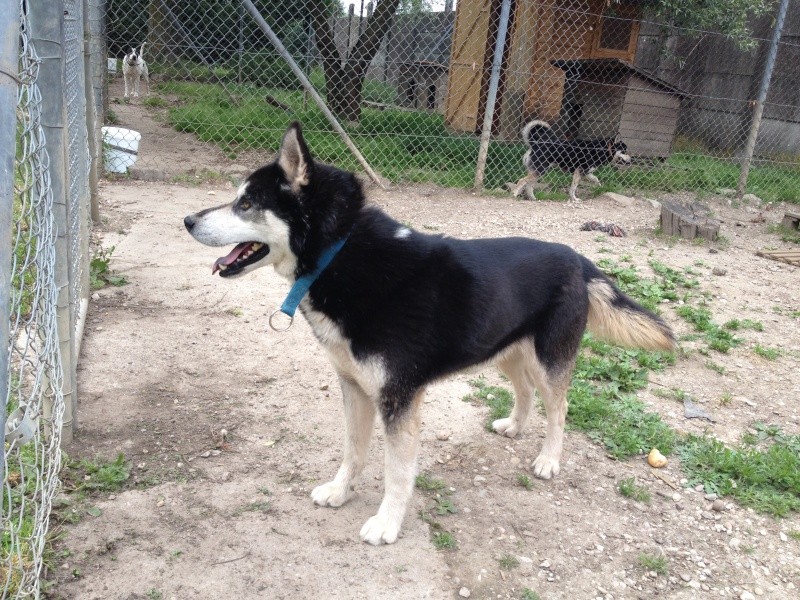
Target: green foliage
{"points": [[768, 353], [786, 234], [499, 400], [731, 18], [736, 324], [444, 540], [602, 404], [630, 489], [717, 338], [525, 481], [428, 483], [100, 273], [508, 562], [763, 472], [529, 594], [651, 562], [99, 475], [444, 506]]}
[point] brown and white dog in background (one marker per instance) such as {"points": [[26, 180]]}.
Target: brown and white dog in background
{"points": [[133, 70]]}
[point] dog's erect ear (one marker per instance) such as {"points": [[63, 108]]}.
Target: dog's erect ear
{"points": [[294, 157], [617, 138]]}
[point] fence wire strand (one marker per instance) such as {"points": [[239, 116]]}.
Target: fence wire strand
{"points": [[35, 364]]}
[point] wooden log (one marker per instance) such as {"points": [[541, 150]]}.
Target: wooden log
{"points": [[791, 220], [686, 222]]}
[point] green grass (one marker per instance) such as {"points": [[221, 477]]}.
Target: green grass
{"points": [[407, 146], [651, 562], [737, 324], [762, 473], [508, 562], [715, 336], [499, 400], [529, 594], [768, 353], [524, 481], [429, 484], [444, 540], [786, 234], [97, 475], [794, 534], [630, 489]]}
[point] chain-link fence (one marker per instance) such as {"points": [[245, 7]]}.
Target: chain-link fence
{"points": [[413, 85], [46, 274]]}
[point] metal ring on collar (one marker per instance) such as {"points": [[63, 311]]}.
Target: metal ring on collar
{"points": [[272, 316]]}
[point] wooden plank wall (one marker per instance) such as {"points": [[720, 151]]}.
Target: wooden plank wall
{"points": [[467, 59], [649, 119]]}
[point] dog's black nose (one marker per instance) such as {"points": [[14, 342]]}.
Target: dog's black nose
{"points": [[189, 222]]}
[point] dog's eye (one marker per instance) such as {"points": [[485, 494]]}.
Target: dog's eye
{"points": [[245, 205]]}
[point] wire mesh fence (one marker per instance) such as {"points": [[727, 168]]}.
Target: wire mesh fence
{"points": [[411, 82], [47, 275]]}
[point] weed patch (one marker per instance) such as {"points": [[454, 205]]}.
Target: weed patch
{"points": [[100, 273], [651, 562], [763, 472], [499, 400], [630, 489]]}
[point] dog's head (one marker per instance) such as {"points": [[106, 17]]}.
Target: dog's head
{"points": [[619, 152], [284, 213], [134, 56]]}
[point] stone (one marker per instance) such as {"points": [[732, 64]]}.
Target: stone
{"points": [[718, 505], [464, 592], [751, 199], [745, 595], [719, 271], [618, 198], [442, 435]]}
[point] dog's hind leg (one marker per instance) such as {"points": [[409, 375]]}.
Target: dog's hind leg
{"points": [[524, 184], [553, 389], [518, 363], [359, 415], [576, 179], [402, 444], [146, 77]]}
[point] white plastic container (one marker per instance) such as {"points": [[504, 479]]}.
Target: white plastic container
{"points": [[120, 148], [112, 66]]}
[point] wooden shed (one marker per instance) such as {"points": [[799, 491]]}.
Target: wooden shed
{"points": [[606, 96], [540, 33], [421, 85]]}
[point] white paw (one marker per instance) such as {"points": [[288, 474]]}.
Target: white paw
{"points": [[506, 427], [545, 467], [529, 193], [377, 531], [330, 494]]}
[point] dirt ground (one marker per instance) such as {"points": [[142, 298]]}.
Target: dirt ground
{"points": [[177, 355]]}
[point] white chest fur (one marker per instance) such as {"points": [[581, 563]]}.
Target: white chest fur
{"points": [[368, 373]]}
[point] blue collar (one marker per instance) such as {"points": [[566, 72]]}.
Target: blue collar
{"points": [[303, 284]]}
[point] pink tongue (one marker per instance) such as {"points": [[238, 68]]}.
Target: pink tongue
{"points": [[232, 256]]}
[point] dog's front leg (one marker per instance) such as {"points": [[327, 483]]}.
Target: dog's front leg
{"points": [[593, 178], [402, 445], [576, 179], [359, 420]]}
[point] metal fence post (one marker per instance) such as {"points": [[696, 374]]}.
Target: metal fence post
{"points": [[9, 38], [46, 35], [755, 124], [494, 82]]}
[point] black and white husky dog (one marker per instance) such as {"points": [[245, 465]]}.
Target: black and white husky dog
{"points": [[134, 69], [579, 157], [396, 309]]}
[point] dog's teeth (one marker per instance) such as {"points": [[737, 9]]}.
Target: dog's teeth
{"points": [[257, 246], [223, 267]]}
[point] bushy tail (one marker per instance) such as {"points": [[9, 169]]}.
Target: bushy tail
{"points": [[141, 50], [537, 131], [615, 318]]}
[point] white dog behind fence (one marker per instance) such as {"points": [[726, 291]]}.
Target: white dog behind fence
{"points": [[134, 68]]}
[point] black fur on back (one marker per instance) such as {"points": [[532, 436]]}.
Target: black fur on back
{"points": [[547, 149]]}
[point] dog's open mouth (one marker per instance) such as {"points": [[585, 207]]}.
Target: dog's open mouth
{"points": [[237, 259]]}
